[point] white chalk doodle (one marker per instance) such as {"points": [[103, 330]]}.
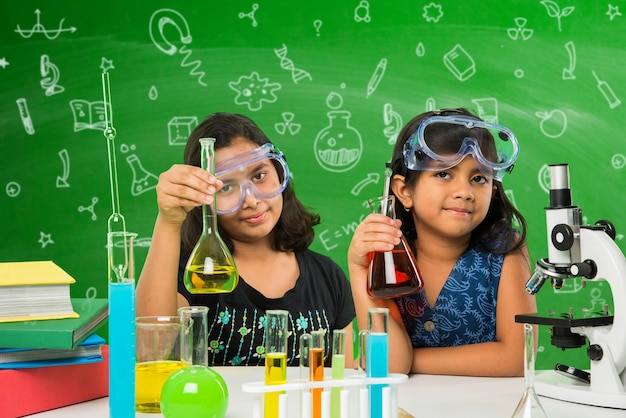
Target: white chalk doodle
{"points": [[143, 180], [253, 90], [50, 73], [13, 189], [460, 63], [4, 63], [555, 11], [568, 72], [613, 12], [106, 65], [487, 109], [65, 160], [90, 208], [45, 239], [520, 30], [393, 123], [88, 115], [250, 15], [287, 124], [433, 12], [317, 24], [553, 123], [362, 12], [39, 28], [158, 21], [27, 121], [287, 64], [618, 161], [371, 178], [179, 128], [607, 92]]}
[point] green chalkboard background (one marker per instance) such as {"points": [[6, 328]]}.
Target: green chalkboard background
{"points": [[552, 71]]}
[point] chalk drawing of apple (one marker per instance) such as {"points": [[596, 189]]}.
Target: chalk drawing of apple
{"points": [[553, 123]]}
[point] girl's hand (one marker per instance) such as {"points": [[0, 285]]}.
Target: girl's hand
{"points": [[376, 233], [183, 187]]}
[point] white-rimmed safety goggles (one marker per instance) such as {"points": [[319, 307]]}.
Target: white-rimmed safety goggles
{"points": [[262, 172], [441, 142]]}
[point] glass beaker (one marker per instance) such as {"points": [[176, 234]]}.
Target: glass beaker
{"points": [[276, 333], [377, 355], [392, 273], [529, 405], [211, 267]]}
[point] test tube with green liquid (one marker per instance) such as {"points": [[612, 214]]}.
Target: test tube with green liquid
{"points": [[337, 370]]}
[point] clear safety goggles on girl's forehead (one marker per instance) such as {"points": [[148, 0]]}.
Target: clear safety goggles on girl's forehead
{"points": [[262, 172], [493, 146]]}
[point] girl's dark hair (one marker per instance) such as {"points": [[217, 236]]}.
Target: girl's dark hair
{"points": [[495, 233], [294, 230]]}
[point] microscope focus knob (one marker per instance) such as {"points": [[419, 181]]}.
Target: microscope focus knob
{"points": [[594, 352], [562, 237]]}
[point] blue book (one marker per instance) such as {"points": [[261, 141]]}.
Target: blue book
{"points": [[88, 351]]}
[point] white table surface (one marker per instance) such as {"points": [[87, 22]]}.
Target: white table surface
{"points": [[421, 395]]}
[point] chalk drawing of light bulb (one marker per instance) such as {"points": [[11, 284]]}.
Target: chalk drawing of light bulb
{"points": [[338, 147]]}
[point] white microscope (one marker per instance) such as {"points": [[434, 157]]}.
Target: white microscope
{"points": [[589, 252]]}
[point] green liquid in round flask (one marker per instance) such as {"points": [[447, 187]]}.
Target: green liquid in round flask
{"points": [[211, 267]]}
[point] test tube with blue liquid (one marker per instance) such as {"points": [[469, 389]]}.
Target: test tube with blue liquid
{"points": [[377, 356], [121, 324]]}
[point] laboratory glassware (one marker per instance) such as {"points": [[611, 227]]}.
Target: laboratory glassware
{"points": [[392, 273], [316, 369], [529, 405], [211, 267], [121, 286], [377, 355], [276, 333], [338, 364], [196, 390]]}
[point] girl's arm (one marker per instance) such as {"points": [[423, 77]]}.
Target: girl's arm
{"points": [[504, 357], [179, 190], [377, 233]]}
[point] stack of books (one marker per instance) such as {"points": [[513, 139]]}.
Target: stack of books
{"points": [[50, 356]]}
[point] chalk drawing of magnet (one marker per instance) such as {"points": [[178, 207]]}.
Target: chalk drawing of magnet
{"points": [[460, 63]]}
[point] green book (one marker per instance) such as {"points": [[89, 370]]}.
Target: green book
{"points": [[56, 333]]}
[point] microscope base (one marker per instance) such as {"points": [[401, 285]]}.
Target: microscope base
{"points": [[552, 385]]}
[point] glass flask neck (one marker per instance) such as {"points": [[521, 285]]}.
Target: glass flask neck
{"points": [[207, 161]]}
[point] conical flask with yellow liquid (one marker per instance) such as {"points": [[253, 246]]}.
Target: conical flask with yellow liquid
{"points": [[211, 267]]}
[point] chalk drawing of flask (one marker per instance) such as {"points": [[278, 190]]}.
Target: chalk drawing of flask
{"points": [[338, 147], [143, 180]]}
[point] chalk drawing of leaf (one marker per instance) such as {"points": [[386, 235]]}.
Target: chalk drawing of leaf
{"points": [[553, 9], [567, 11]]}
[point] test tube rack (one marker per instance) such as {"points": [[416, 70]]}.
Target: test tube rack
{"points": [[359, 384]]}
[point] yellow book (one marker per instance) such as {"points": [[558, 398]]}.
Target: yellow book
{"points": [[34, 290]]}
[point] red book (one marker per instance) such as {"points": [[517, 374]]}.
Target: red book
{"points": [[28, 391]]}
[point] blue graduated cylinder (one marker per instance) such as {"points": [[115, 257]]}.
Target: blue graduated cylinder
{"points": [[377, 365], [122, 350]]}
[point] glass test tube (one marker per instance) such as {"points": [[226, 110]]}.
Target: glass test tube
{"points": [[316, 369], [337, 368], [276, 333], [377, 355], [194, 333], [121, 324]]}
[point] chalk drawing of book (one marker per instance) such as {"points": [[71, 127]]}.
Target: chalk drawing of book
{"points": [[460, 63], [88, 115]]}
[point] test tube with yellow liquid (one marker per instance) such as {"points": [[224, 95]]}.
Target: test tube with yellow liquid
{"points": [[276, 333]]}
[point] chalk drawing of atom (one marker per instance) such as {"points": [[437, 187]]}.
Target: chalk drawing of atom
{"points": [[252, 91]]}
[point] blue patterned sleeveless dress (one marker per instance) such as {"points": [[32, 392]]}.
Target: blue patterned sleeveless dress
{"points": [[465, 311]]}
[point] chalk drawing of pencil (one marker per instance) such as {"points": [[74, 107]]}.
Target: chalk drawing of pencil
{"points": [[460, 63], [25, 115], [377, 76]]}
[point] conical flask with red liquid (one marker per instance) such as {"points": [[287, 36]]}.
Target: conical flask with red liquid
{"points": [[392, 273]]}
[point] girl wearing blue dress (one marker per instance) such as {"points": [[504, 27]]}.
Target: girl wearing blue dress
{"points": [[469, 243]]}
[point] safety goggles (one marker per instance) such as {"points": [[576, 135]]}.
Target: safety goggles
{"points": [[262, 172], [441, 142]]}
